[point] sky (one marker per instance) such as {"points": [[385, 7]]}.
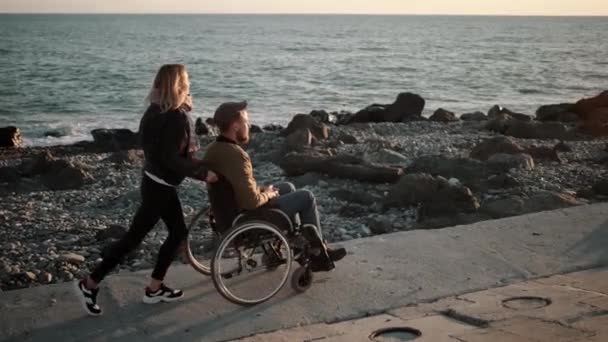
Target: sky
{"points": [[482, 7]]}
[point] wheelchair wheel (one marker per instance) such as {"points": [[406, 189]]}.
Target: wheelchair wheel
{"points": [[243, 270], [201, 243], [301, 279]]}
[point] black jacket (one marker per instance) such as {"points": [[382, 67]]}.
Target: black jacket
{"points": [[166, 139]]}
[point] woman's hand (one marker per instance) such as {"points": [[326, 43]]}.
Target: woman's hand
{"points": [[211, 177]]}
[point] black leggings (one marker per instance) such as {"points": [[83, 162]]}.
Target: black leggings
{"points": [[157, 202]]}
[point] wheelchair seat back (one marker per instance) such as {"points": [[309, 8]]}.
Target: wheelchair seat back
{"points": [[226, 211]]}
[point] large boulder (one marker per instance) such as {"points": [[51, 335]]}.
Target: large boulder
{"points": [[585, 107], [562, 112], [299, 122], [468, 171], [476, 116], [9, 174], [437, 195], [539, 130], [507, 162], [341, 166], [497, 111], [407, 107], [545, 153], [37, 165], [519, 205], [442, 115], [492, 146], [388, 157], [499, 123], [115, 139], [10, 137], [127, 157], [324, 117], [299, 140], [65, 175]]}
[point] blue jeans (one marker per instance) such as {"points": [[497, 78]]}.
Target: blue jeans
{"points": [[300, 202]]}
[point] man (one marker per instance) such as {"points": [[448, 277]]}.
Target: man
{"points": [[227, 158]]}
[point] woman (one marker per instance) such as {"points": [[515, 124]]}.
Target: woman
{"points": [[166, 138]]}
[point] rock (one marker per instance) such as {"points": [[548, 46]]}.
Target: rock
{"points": [[562, 112], [200, 127], [345, 166], [492, 146], [442, 115], [499, 124], [498, 111], [255, 129], [39, 164], [9, 174], [517, 205], [540, 131], [348, 139], [601, 188], [115, 139], [380, 226], [10, 137], [45, 278], [386, 156], [273, 128], [585, 107], [507, 162], [593, 113], [324, 117], [299, 140], [407, 107], [562, 147], [352, 210], [544, 153], [299, 122], [358, 197], [30, 276], [127, 157], [112, 232], [65, 175], [476, 116], [435, 194], [306, 180], [470, 172], [73, 258], [502, 181]]}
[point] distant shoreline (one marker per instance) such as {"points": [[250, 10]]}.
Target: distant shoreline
{"points": [[581, 16]]}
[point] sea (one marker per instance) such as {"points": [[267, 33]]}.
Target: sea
{"points": [[64, 75]]}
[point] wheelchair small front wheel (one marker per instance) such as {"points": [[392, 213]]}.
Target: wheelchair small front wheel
{"points": [[301, 280], [240, 268]]}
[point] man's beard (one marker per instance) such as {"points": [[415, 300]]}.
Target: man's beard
{"points": [[243, 138]]}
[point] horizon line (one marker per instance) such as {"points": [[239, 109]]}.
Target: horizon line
{"points": [[308, 14]]}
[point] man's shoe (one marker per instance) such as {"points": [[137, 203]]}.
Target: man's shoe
{"points": [[88, 298], [336, 254], [163, 294]]}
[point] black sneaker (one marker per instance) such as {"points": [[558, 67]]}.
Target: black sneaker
{"points": [[88, 298], [336, 254], [163, 294]]}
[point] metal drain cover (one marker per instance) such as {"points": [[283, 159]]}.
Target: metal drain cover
{"points": [[526, 303], [396, 334]]}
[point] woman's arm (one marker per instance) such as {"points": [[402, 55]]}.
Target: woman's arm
{"points": [[174, 143]]}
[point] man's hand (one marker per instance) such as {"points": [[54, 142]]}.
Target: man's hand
{"points": [[268, 188], [272, 194], [211, 177]]}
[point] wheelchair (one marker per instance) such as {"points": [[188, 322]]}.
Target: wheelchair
{"points": [[249, 255]]}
